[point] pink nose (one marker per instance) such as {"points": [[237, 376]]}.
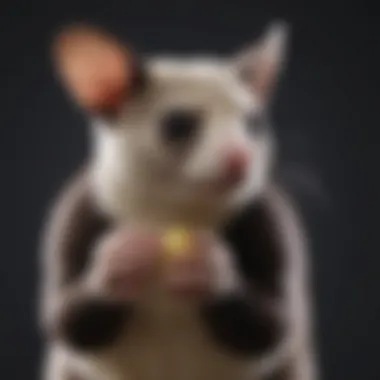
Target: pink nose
{"points": [[236, 165]]}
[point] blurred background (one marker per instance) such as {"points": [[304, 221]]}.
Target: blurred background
{"points": [[324, 115]]}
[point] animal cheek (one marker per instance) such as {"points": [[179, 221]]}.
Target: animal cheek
{"points": [[201, 165]]}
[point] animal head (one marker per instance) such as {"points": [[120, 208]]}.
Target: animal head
{"points": [[174, 133]]}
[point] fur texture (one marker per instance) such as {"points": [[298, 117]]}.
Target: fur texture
{"points": [[136, 173], [259, 324]]}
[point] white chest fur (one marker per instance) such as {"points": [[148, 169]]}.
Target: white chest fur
{"points": [[165, 341]]}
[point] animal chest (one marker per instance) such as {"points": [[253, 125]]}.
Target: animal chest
{"points": [[166, 341]]}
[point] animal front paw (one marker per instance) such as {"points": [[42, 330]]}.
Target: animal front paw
{"points": [[206, 270], [124, 263]]}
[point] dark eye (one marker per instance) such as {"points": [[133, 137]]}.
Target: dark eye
{"points": [[180, 126], [256, 123]]}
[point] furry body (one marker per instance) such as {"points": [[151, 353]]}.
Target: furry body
{"points": [[172, 340], [254, 328]]}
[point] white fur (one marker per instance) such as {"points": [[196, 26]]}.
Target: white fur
{"points": [[138, 178], [298, 341]]}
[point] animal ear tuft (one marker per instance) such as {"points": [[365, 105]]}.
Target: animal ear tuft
{"points": [[98, 71]]}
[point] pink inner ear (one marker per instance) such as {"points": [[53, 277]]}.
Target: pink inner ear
{"points": [[111, 86], [264, 80], [263, 63], [97, 70]]}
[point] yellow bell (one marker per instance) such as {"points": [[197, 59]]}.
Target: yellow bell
{"points": [[176, 242]]}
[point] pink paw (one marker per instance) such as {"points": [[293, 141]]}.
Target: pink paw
{"points": [[124, 262], [207, 269]]}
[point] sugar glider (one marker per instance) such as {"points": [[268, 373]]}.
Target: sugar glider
{"points": [[175, 141]]}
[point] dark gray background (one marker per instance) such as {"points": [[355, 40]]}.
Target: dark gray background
{"points": [[325, 116]]}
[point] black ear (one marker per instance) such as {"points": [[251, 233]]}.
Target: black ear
{"points": [[98, 71], [261, 64]]}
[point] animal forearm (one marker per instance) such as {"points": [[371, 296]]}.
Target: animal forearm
{"points": [[245, 324], [85, 321]]}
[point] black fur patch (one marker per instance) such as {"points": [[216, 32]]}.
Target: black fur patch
{"points": [[242, 325], [251, 324], [91, 324]]}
